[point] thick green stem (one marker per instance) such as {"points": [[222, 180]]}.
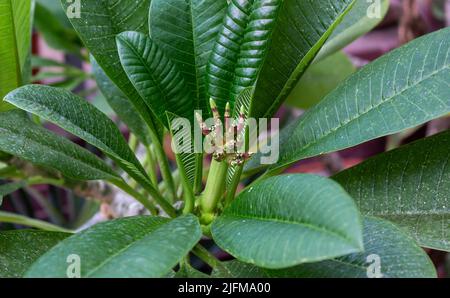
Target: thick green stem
{"points": [[164, 166], [214, 190], [231, 192], [210, 259], [133, 142], [204, 255], [37, 180]]}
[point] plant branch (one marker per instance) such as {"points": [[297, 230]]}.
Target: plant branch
{"points": [[214, 190], [164, 166], [231, 192], [189, 198], [7, 217], [150, 164], [204, 255]]}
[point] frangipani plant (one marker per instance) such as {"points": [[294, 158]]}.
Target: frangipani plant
{"points": [[164, 59]]}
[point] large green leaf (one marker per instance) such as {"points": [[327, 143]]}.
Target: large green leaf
{"points": [[403, 89], [184, 151], [15, 43], [186, 31], [80, 118], [398, 254], [360, 20], [120, 104], [320, 78], [155, 76], [129, 247], [240, 48], [288, 220], [99, 23], [399, 257], [409, 186], [20, 249], [20, 137], [302, 27], [255, 45]]}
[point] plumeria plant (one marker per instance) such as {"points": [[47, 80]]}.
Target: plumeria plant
{"points": [[166, 67]]}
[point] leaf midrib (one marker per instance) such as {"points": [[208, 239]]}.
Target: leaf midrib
{"points": [[126, 247], [302, 65], [60, 152], [409, 214], [371, 108], [144, 62], [110, 152], [305, 224], [97, 142], [196, 66]]}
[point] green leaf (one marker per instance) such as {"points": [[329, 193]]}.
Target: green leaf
{"points": [[320, 78], [80, 118], [408, 186], [301, 29], [240, 48], [186, 32], [399, 257], [20, 137], [98, 26], [238, 269], [128, 247], [187, 271], [120, 104], [155, 76], [6, 217], [273, 225], [15, 43], [356, 23], [19, 249], [403, 89], [255, 45], [183, 150]]}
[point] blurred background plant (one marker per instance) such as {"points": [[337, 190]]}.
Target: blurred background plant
{"points": [[59, 59]]}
